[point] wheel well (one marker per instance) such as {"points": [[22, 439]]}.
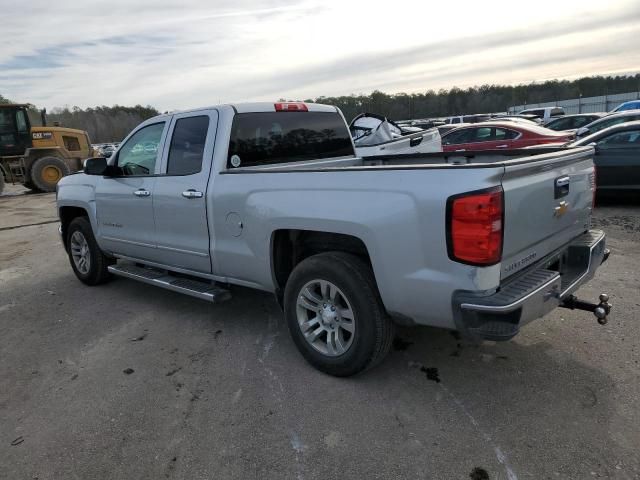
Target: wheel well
{"points": [[290, 247], [67, 214]]}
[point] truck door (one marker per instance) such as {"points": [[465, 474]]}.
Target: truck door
{"points": [[179, 205], [124, 203]]}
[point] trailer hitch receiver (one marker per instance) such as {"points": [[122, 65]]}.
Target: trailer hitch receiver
{"points": [[600, 310]]}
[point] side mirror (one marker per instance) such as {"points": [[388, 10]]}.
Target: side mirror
{"points": [[582, 131], [95, 166]]}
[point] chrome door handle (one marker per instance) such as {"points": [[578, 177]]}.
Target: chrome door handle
{"points": [[502, 146], [142, 193], [462, 150], [191, 193]]}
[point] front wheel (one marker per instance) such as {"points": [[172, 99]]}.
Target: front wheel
{"points": [[87, 260], [335, 315]]}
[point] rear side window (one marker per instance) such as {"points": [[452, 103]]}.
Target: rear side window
{"points": [[187, 145], [71, 143], [280, 137], [505, 134]]}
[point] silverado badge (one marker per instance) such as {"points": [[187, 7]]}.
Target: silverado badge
{"points": [[561, 209]]}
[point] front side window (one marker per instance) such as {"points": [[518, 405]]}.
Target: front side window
{"points": [[581, 121], [138, 155], [280, 137], [628, 139], [458, 136], [187, 145]]}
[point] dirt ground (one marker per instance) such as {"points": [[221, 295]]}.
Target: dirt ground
{"points": [[129, 381]]}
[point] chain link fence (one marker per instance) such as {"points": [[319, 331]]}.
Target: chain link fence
{"points": [[603, 103]]}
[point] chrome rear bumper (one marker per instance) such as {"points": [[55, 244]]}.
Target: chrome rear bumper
{"points": [[533, 293]]}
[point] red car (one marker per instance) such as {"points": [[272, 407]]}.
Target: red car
{"points": [[500, 135]]}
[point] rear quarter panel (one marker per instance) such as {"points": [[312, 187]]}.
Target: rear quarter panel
{"points": [[398, 214]]}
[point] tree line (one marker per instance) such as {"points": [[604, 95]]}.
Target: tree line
{"points": [[104, 124], [478, 99], [109, 124]]}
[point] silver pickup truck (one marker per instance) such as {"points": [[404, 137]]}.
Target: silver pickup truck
{"points": [[273, 197]]}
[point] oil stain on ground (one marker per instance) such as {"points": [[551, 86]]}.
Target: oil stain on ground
{"points": [[479, 474]]}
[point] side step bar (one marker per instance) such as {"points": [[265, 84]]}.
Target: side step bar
{"points": [[195, 288]]}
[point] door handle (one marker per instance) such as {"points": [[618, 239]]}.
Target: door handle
{"points": [[191, 193], [462, 150], [142, 193], [502, 146]]}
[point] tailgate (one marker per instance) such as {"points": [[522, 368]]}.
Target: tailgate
{"points": [[548, 201]]}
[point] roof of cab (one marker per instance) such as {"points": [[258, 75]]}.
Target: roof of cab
{"points": [[257, 107]]}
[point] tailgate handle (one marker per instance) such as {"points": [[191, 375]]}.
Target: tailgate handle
{"points": [[561, 186]]}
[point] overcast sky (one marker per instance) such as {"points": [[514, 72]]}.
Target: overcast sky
{"points": [[201, 52]]}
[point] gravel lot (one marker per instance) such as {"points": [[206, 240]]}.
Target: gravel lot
{"points": [[221, 392]]}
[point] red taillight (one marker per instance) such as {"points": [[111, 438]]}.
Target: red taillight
{"points": [[291, 107], [474, 222]]}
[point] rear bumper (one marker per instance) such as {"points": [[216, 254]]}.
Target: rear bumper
{"points": [[532, 294]]}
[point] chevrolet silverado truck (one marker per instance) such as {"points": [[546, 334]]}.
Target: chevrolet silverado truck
{"points": [[273, 197]]}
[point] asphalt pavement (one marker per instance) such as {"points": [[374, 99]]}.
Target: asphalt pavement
{"points": [[127, 381]]}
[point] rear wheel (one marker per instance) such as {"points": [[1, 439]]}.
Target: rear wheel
{"points": [[47, 172], [87, 260], [335, 315]]}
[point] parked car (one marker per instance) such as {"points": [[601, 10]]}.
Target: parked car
{"points": [[608, 121], [631, 105], [107, 150], [479, 117], [273, 197], [617, 156], [376, 135], [543, 113], [500, 135], [572, 122]]}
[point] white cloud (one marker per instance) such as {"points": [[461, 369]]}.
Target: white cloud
{"points": [[183, 54]]}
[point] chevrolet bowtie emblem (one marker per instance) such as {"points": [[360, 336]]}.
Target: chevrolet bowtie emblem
{"points": [[561, 209]]}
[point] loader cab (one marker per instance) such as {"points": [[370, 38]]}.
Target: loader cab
{"points": [[15, 130]]}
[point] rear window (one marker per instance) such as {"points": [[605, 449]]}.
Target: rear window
{"points": [[71, 143], [281, 137]]}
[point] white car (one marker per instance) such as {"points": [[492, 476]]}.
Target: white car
{"points": [[545, 114]]}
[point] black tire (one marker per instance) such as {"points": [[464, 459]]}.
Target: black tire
{"points": [[46, 172], [98, 262], [374, 330]]}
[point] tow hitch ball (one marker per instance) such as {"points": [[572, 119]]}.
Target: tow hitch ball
{"points": [[600, 310]]}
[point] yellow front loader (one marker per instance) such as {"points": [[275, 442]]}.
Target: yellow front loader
{"points": [[38, 157]]}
